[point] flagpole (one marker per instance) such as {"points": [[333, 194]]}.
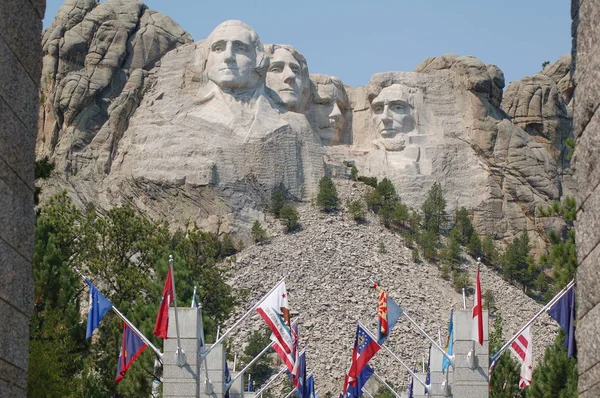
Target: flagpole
{"points": [[180, 359], [366, 392], [451, 359], [194, 305], [386, 384], [558, 296], [427, 387], [256, 358], [239, 321], [296, 388], [257, 393], [127, 321], [208, 386]]}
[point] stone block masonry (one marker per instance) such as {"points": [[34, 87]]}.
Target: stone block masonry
{"points": [[586, 129], [20, 70]]}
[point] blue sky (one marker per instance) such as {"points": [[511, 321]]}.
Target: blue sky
{"points": [[353, 39]]}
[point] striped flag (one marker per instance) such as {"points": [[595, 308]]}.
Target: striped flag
{"points": [[521, 348], [274, 309]]}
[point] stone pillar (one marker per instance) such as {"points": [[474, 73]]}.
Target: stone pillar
{"points": [[189, 381], [586, 130], [20, 68], [469, 383]]}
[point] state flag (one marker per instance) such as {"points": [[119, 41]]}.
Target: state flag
{"points": [[98, 307], [275, 311], [477, 324], [364, 349], [355, 391], [388, 313], [131, 348], [162, 319], [563, 312], [449, 345], [522, 350]]}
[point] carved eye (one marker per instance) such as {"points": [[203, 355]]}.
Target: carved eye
{"points": [[275, 69], [378, 109], [295, 69], [241, 47], [218, 47], [398, 108]]}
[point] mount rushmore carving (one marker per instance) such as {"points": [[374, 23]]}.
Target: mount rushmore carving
{"points": [[203, 131]]}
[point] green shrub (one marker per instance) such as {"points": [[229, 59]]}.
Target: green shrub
{"points": [[357, 210], [327, 198], [289, 217], [259, 234], [370, 181], [461, 280], [277, 200]]}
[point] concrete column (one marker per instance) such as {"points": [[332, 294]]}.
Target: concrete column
{"points": [[470, 383], [20, 69]]}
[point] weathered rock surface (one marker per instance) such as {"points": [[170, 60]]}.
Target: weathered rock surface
{"points": [[330, 261]]}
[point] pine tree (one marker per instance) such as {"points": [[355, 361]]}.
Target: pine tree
{"points": [[556, 375], [463, 225], [474, 247], [277, 200], [327, 198], [289, 218], [259, 234], [260, 370], [504, 382], [434, 209]]}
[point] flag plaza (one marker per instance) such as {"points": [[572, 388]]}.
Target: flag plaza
{"points": [[285, 340]]}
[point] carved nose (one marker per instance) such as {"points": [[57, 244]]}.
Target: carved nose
{"points": [[228, 54], [336, 113], [289, 76]]}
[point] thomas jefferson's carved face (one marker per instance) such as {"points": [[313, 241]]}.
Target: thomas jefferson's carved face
{"points": [[329, 107], [231, 59], [391, 111], [286, 80]]}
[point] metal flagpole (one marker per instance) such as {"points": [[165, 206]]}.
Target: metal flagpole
{"points": [[180, 359], [427, 387], [386, 384], [558, 296], [127, 321], [194, 302], [234, 361], [239, 321], [296, 388], [256, 358], [208, 387], [270, 381], [366, 392]]}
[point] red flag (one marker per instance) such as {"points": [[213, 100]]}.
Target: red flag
{"points": [[364, 349], [477, 325], [162, 319]]}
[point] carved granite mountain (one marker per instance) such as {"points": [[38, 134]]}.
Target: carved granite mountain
{"points": [[134, 111]]}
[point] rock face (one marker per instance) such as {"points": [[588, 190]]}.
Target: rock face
{"points": [[133, 110]]}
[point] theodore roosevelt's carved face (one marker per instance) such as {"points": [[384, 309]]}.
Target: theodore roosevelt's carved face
{"points": [[232, 56], [287, 79], [391, 111]]}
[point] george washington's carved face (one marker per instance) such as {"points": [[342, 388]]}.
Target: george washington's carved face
{"points": [[232, 57], [391, 111]]}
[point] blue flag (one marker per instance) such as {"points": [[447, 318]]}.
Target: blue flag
{"points": [[450, 349], [227, 379], [563, 312], [131, 348], [428, 375], [355, 390], [99, 306], [411, 393], [301, 388], [309, 388]]}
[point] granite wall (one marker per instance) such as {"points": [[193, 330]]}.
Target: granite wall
{"points": [[586, 125], [20, 66]]}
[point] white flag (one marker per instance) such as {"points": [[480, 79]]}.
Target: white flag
{"points": [[522, 349], [275, 311]]}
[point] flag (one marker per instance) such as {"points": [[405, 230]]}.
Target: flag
{"points": [[131, 348], [289, 358], [410, 386], [388, 313], [162, 319], [364, 349], [449, 345], [309, 388], [522, 349], [563, 312], [194, 299], [301, 378], [477, 324], [99, 306], [227, 375], [275, 311], [355, 391], [428, 374]]}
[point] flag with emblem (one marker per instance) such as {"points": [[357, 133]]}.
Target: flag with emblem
{"points": [[162, 319], [477, 323], [388, 313], [522, 350], [289, 358], [365, 347], [563, 312], [99, 306], [131, 348], [275, 311], [355, 391]]}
